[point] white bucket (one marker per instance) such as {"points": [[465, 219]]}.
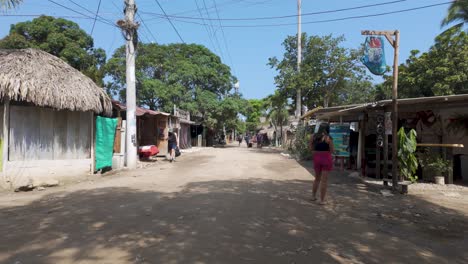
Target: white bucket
{"points": [[439, 180]]}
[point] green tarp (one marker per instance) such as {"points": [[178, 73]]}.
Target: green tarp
{"points": [[105, 134]]}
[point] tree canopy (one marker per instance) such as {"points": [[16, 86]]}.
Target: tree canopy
{"points": [[59, 37], [330, 73], [187, 75], [443, 70]]}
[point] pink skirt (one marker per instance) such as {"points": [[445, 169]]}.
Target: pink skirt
{"points": [[323, 161]]}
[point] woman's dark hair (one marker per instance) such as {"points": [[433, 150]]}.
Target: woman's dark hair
{"points": [[323, 128]]}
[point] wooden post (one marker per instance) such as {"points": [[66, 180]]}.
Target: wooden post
{"points": [[377, 162], [385, 156], [93, 143], [6, 138], [395, 44]]}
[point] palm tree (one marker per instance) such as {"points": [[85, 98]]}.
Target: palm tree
{"points": [[458, 11], [9, 4]]}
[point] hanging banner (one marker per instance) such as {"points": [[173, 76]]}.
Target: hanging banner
{"points": [[340, 134], [374, 55]]}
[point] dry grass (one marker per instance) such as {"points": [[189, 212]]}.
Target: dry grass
{"points": [[40, 78]]}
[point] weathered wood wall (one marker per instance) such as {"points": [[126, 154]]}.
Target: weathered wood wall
{"points": [[38, 133]]}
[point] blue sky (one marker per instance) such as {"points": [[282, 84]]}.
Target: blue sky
{"points": [[247, 49]]}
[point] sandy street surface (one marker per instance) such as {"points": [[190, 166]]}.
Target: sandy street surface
{"points": [[230, 205]]}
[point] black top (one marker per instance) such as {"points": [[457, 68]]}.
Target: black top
{"points": [[172, 139], [321, 145]]}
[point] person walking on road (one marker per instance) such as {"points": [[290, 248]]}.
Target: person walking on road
{"points": [[322, 148], [172, 141], [239, 139]]}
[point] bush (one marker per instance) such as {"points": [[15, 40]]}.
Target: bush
{"points": [[300, 147]]}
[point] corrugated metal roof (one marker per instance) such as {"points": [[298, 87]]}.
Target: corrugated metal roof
{"points": [[347, 109], [139, 111]]}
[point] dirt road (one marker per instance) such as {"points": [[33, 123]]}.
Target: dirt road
{"points": [[229, 205]]}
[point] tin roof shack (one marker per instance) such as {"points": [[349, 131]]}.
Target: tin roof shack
{"points": [[47, 113], [429, 116], [152, 129], [182, 125]]}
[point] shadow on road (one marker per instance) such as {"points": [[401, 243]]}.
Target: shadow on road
{"points": [[243, 221]]}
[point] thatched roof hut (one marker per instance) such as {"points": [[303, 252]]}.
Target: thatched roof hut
{"points": [[40, 78]]}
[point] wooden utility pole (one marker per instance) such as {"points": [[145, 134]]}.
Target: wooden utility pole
{"points": [[395, 42], [129, 28], [299, 59]]}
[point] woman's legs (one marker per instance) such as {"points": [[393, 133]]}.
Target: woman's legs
{"points": [[172, 154], [318, 178], [323, 186]]}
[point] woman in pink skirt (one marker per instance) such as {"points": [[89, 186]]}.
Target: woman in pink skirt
{"points": [[322, 149]]}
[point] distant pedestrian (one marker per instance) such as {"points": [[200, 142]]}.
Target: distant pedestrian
{"points": [[259, 140], [247, 140], [239, 139], [172, 142], [322, 148]]}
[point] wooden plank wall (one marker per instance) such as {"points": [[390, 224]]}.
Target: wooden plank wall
{"points": [[45, 134], [1, 137]]}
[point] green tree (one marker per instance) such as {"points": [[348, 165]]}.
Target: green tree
{"points": [[327, 71], [457, 12], [59, 37], [187, 75], [277, 112], [256, 108], [443, 70]]}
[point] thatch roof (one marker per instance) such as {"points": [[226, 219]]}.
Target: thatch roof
{"points": [[40, 78]]}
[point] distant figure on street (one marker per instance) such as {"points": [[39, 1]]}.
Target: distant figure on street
{"points": [[259, 140], [172, 142], [247, 140], [321, 145], [239, 139]]}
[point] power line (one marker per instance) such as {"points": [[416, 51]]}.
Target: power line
{"points": [[175, 29], [285, 16], [323, 21], [97, 12], [214, 32], [224, 39], [147, 28], [38, 15], [105, 22], [205, 26], [84, 8]]}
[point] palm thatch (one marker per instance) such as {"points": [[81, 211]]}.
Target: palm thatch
{"points": [[40, 78]]}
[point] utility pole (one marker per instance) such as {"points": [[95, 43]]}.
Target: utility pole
{"points": [[299, 59], [389, 34], [129, 28]]}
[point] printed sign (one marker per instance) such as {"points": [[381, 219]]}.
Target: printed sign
{"points": [[340, 134]]}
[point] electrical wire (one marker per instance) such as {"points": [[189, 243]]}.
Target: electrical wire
{"points": [[323, 21], [224, 39], [172, 24], [147, 28], [205, 26], [285, 16], [101, 19], [221, 53], [95, 17]]}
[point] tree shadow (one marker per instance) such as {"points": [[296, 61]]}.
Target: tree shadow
{"points": [[240, 221]]}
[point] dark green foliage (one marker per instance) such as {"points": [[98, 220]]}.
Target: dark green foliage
{"points": [[443, 70], [406, 154], [330, 74], [187, 75], [59, 37]]}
